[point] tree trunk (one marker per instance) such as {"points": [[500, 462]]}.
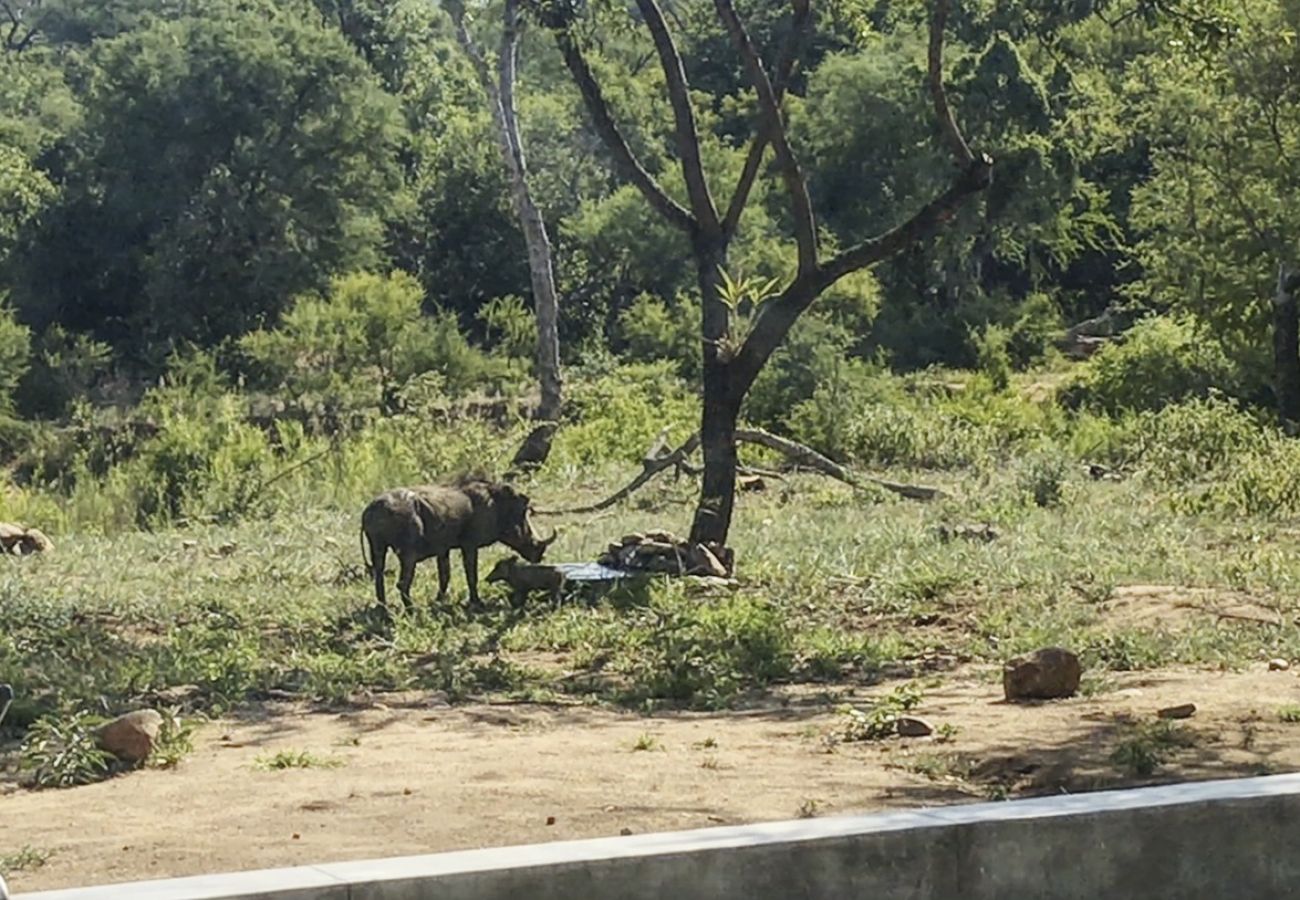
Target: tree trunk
{"points": [[1286, 347], [501, 96], [721, 406]]}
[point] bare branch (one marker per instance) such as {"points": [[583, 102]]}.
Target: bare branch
{"points": [[688, 138], [624, 159], [937, 212], [780, 314], [758, 146], [773, 125], [652, 465], [938, 94]]}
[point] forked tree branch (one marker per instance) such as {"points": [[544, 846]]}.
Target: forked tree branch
{"points": [[773, 126], [624, 158], [975, 175], [758, 146], [688, 138]]}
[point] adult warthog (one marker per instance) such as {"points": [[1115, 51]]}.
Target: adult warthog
{"points": [[432, 520]]}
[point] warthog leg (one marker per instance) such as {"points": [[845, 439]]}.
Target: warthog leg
{"points": [[469, 555], [444, 575], [407, 576]]}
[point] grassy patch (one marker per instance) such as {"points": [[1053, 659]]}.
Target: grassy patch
{"points": [[24, 859], [1146, 746], [296, 759]]}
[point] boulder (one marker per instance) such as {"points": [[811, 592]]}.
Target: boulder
{"points": [[911, 726], [1045, 674], [131, 737]]}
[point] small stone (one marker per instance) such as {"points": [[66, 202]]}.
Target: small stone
{"points": [[1279, 665], [131, 737], [910, 726], [1182, 711], [751, 483], [625, 831], [550, 820], [627, 540], [189, 544], [1045, 674]]}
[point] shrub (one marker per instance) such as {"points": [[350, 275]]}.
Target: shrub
{"points": [[64, 367], [1162, 361], [704, 655], [815, 353], [992, 357], [356, 345], [653, 330], [618, 414]]}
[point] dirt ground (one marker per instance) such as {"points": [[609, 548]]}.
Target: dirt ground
{"points": [[416, 776]]}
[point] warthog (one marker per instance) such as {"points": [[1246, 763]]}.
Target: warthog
{"points": [[524, 578], [432, 520]]}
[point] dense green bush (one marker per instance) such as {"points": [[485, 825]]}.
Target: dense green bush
{"points": [[651, 329], [617, 415], [360, 342], [1161, 361]]}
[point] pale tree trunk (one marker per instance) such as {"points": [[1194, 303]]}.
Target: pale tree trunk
{"points": [[1286, 347], [505, 116]]}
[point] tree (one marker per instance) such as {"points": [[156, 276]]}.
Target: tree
{"points": [[229, 158], [500, 92], [1219, 223], [732, 359]]}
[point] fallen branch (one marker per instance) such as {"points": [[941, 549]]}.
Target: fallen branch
{"points": [[801, 454], [657, 460], [1244, 617]]}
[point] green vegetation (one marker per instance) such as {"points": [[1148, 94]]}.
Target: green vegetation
{"points": [[295, 759], [257, 263]]}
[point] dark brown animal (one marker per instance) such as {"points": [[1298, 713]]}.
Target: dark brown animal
{"points": [[432, 520], [525, 579]]}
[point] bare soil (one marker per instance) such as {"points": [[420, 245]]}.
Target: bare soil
{"points": [[417, 776]]}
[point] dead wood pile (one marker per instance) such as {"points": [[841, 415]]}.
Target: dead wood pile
{"points": [[666, 553]]}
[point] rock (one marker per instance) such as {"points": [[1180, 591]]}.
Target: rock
{"points": [[131, 737], [624, 832], [189, 544], [1279, 665], [23, 541], [910, 726], [750, 483], [634, 538], [1045, 674], [1182, 711]]}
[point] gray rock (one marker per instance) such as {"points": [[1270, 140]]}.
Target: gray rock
{"points": [[1182, 711]]}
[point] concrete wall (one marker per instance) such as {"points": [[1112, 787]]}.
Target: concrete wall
{"points": [[1235, 839]]}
